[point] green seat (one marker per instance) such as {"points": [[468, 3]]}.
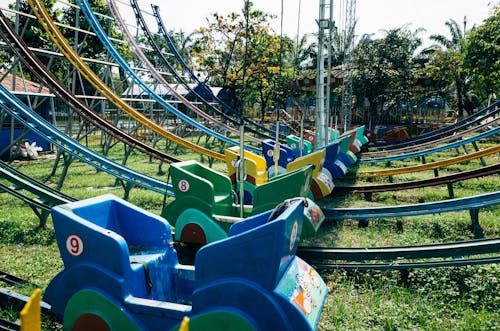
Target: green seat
{"points": [[285, 186], [334, 134], [294, 143], [360, 135], [197, 185]]}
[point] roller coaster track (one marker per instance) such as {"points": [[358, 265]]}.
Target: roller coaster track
{"points": [[448, 179], [36, 67], [142, 24], [429, 166], [469, 203], [56, 36], [227, 108], [103, 37], [321, 257], [455, 144], [17, 301], [491, 110], [493, 122], [17, 109], [139, 53], [46, 197]]}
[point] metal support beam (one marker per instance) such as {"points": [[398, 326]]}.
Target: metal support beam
{"points": [[347, 64], [325, 25]]}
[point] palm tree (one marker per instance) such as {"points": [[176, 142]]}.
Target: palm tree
{"points": [[452, 51]]}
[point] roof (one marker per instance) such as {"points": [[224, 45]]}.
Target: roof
{"points": [[22, 85]]}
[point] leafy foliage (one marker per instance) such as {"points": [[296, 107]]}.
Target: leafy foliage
{"points": [[385, 68], [482, 56], [240, 53]]}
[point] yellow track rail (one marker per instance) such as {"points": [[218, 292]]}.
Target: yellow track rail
{"points": [[57, 37], [429, 166]]}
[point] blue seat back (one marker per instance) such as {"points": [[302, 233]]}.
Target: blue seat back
{"points": [[286, 155], [256, 250]]}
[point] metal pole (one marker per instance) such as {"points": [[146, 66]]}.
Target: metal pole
{"points": [[241, 170], [324, 25], [329, 76]]}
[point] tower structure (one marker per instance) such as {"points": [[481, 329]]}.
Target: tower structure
{"points": [[347, 63], [325, 26]]}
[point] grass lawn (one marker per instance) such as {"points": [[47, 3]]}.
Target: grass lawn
{"points": [[465, 298]]}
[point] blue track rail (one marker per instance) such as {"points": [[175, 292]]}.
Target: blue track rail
{"points": [[455, 144], [445, 206], [17, 109], [491, 110], [149, 36], [103, 37], [227, 108]]}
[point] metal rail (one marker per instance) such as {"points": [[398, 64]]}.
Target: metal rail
{"points": [[46, 197], [17, 109], [63, 45], [469, 203], [142, 57], [163, 30], [446, 139], [490, 110], [406, 265], [449, 179], [450, 254], [455, 144], [429, 166], [36, 67]]}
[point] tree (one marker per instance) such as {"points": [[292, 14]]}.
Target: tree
{"points": [[446, 62], [385, 69], [30, 29], [482, 56], [240, 53]]}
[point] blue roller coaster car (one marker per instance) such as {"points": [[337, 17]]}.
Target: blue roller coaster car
{"points": [[121, 272]]}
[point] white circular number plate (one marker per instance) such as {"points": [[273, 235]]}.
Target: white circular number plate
{"points": [[183, 185], [74, 245]]}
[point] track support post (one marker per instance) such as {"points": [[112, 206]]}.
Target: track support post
{"points": [[483, 162], [451, 192], [475, 227]]}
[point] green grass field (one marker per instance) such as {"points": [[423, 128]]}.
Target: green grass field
{"points": [[465, 298]]}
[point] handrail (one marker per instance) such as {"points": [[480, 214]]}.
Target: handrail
{"points": [[36, 67], [56, 36], [163, 30], [139, 53], [435, 149], [45, 130], [429, 166]]}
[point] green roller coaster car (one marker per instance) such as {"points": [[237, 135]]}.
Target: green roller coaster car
{"points": [[205, 203]]}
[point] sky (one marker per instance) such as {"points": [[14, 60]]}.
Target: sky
{"points": [[373, 16]]}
